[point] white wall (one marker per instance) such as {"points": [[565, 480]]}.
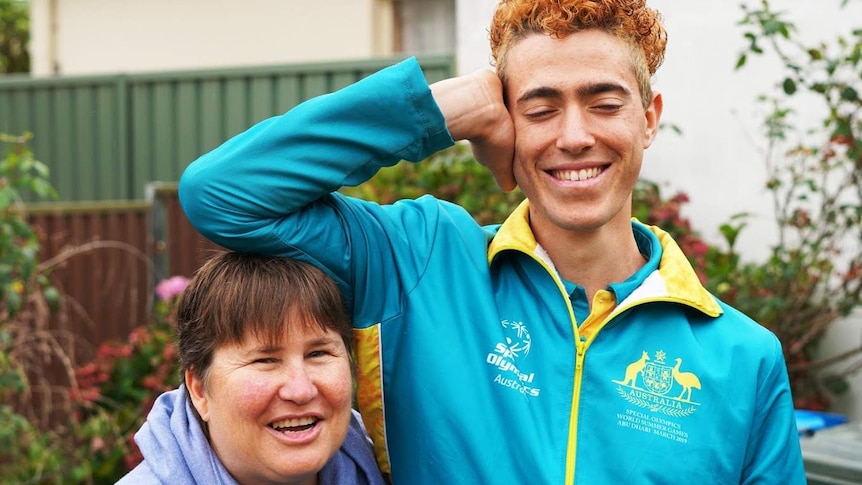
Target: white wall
{"points": [[100, 36], [717, 159], [473, 17]]}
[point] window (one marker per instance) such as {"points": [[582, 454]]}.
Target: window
{"points": [[424, 26]]}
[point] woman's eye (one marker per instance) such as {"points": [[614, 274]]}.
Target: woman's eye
{"points": [[265, 360]]}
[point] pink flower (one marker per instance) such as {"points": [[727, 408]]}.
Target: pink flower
{"points": [[171, 287], [139, 335], [151, 382]]}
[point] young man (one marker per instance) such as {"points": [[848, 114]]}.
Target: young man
{"points": [[569, 344]]}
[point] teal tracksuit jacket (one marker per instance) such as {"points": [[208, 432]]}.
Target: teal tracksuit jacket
{"points": [[472, 366]]}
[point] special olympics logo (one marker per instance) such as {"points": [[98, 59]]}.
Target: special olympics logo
{"points": [[518, 341]]}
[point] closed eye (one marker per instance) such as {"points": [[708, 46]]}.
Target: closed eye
{"points": [[538, 115], [608, 107]]}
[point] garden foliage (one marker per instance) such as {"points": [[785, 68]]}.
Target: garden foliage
{"points": [[813, 276], [80, 430], [14, 36]]}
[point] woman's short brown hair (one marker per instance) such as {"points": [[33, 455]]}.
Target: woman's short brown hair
{"points": [[234, 295], [630, 20]]}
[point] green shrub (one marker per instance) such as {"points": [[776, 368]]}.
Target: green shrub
{"points": [[813, 275], [452, 174], [115, 393], [20, 173], [27, 453], [109, 401], [105, 401]]}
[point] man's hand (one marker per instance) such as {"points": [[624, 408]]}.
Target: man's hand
{"points": [[474, 110]]}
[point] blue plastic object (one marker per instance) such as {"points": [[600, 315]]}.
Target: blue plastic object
{"points": [[833, 456], [808, 422]]}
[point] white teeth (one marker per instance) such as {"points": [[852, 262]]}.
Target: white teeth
{"points": [[294, 422], [577, 175]]}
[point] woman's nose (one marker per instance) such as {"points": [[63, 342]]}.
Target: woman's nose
{"points": [[297, 386]]}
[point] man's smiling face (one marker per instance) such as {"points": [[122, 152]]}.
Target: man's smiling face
{"points": [[580, 127]]}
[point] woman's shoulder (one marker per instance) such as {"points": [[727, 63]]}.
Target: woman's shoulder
{"points": [[357, 434], [140, 475], [354, 463]]}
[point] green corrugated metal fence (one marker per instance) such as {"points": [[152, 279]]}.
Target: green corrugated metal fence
{"points": [[106, 137]]}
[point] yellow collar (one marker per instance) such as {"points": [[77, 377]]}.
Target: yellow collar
{"points": [[680, 280]]}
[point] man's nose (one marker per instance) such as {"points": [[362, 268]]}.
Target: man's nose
{"points": [[575, 135]]}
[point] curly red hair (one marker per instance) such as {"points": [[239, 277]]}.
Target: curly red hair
{"points": [[630, 20]]}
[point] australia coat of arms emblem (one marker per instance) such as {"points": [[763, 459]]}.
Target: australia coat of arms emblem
{"points": [[650, 382]]}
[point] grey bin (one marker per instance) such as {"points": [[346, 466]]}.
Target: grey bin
{"points": [[833, 456]]}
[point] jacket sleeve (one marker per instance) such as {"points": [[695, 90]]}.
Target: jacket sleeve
{"points": [[774, 454], [237, 194], [271, 189]]}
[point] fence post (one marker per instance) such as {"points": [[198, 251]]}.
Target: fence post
{"points": [[158, 230]]}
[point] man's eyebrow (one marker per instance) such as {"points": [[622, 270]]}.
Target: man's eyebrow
{"points": [[600, 88], [592, 89], [540, 92]]}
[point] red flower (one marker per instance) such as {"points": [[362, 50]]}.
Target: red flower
{"points": [[151, 382]]}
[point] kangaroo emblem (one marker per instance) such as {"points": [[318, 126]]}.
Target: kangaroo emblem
{"points": [[632, 371]]}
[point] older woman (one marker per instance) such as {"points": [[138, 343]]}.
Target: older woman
{"points": [[264, 348]]}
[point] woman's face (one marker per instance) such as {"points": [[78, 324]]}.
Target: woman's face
{"points": [[277, 413]]}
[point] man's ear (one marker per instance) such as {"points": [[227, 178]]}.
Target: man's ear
{"points": [[653, 117], [196, 392]]}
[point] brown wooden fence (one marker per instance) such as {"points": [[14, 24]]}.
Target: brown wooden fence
{"points": [[178, 248], [107, 257]]}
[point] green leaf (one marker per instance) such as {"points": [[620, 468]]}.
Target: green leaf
{"points": [[43, 188], [52, 298], [836, 384], [770, 27], [815, 54], [789, 86], [7, 197], [41, 170], [13, 300]]}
